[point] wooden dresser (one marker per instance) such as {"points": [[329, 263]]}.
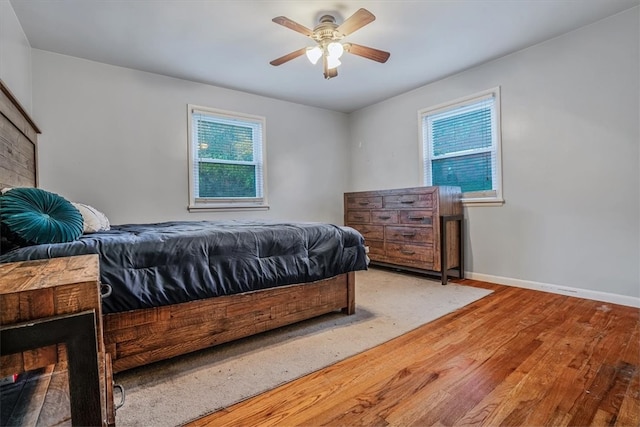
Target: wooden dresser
{"points": [[50, 314], [418, 229]]}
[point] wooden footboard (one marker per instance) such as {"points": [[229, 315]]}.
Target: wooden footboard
{"points": [[138, 337]]}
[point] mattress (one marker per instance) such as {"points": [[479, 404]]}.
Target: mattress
{"points": [[150, 265]]}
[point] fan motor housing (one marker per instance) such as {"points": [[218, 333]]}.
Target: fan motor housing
{"points": [[326, 29]]}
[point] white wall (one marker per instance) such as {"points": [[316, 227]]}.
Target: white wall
{"points": [[15, 56], [116, 138], [570, 138]]}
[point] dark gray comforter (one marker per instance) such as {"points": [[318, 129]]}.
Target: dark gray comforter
{"points": [[151, 265]]}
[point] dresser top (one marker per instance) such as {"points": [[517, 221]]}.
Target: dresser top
{"points": [[46, 273], [408, 190]]}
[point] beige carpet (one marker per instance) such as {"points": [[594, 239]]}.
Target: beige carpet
{"points": [[388, 304]]}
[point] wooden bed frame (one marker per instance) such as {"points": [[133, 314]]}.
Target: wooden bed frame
{"points": [[138, 337]]}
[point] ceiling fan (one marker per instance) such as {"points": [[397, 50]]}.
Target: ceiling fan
{"points": [[328, 35]]}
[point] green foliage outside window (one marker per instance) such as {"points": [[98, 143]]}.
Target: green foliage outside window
{"points": [[223, 151], [224, 142], [470, 173], [461, 155], [227, 180], [466, 131]]}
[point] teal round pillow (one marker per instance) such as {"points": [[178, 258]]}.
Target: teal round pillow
{"points": [[37, 216]]}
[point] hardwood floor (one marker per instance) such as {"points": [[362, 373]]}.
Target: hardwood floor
{"points": [[515, 358]]}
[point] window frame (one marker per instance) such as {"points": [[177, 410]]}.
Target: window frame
{"points": [[227, 204], [478, 198]]}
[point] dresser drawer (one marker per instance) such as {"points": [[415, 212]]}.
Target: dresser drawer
{"points": [[371, 231], [417, 235], [376, 249], [356, 202], [358, 217], [423, 217], [413, 253], [384, 217], [403, 201]]}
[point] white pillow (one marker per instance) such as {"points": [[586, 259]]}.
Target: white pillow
{"points": [[93, 219]]}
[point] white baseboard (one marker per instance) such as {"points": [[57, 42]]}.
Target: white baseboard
{"points": [[557, 289]]}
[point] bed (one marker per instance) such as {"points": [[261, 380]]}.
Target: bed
{"points": [[178, 287]]}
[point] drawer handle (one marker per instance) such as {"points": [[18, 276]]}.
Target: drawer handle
{"points": [[416, 218], [363, 203], [384, 217], [407, 202], [358, 217], [408, 234], [121, 388], [105, 290], [406, 252]]}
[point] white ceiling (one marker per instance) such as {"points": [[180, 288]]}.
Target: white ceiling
{"points": [[230, 43]]}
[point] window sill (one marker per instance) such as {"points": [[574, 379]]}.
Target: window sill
{"points": [[228, 208], [482, 202]]}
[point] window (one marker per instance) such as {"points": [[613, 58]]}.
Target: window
{"points": [[461, 147], [226, 160]]}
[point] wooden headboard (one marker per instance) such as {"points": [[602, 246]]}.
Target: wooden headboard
{"points": [[18, 143]]}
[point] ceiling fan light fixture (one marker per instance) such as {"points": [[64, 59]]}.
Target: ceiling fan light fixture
{"points": [[314, 54], [333, 62], [335, 49]]}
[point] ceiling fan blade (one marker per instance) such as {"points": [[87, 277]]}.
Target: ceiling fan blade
{"points": [[367, 52], [288, 57], [356, 21], [286, 22]]}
